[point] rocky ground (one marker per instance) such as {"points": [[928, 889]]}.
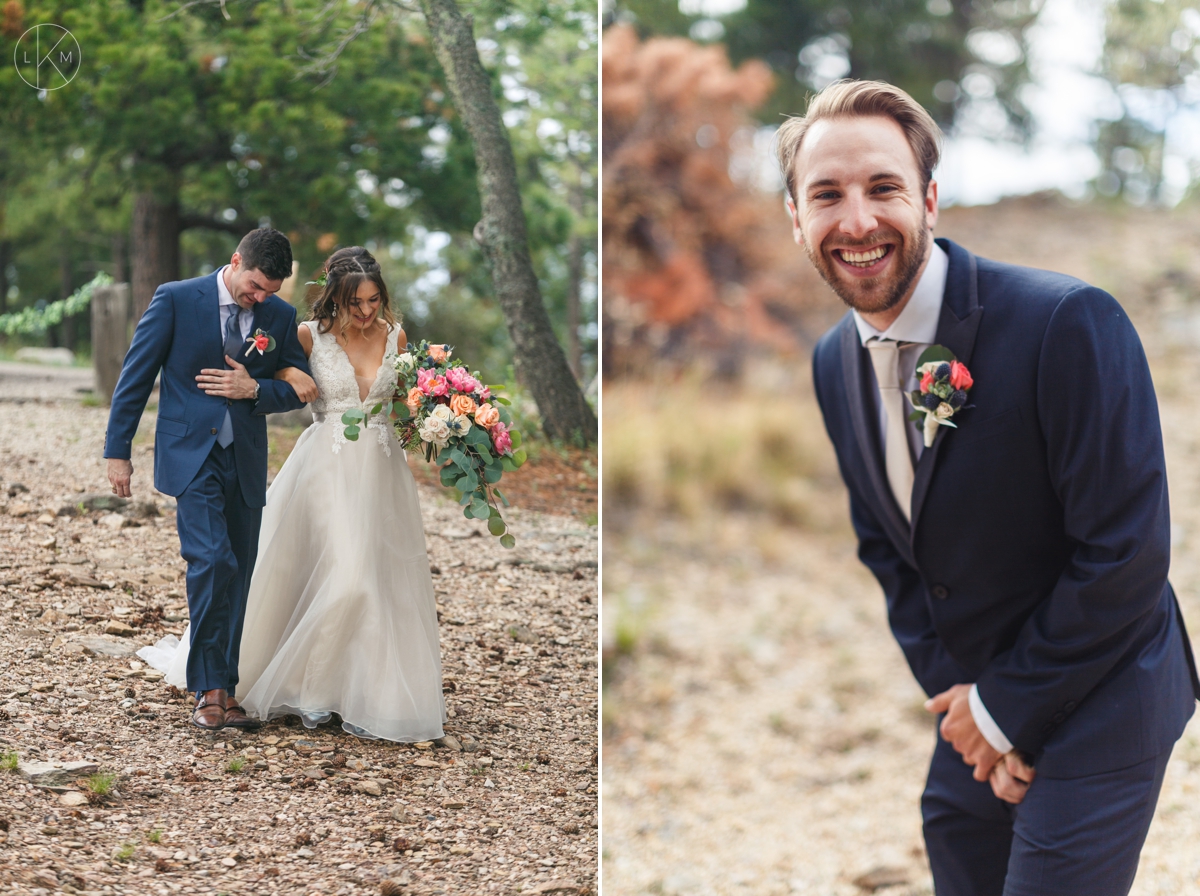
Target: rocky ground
{"points": [[762, 732], [105, 788]]}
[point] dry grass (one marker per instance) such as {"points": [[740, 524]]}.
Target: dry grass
{"points": [[686, 447]]}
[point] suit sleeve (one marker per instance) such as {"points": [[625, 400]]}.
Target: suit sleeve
{"points": [[147, 353], [903, 590], [276, 396], [1099, 416]]}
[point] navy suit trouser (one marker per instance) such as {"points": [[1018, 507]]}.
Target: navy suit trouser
{"points": [[218, 537], [1068, 836]]}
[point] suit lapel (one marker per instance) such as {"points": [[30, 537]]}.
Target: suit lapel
{"points": [[957, 328], [208, 321], [866, 430]]}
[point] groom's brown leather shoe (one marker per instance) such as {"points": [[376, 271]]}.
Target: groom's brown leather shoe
{"points": [[235, 716], [209, 713]]}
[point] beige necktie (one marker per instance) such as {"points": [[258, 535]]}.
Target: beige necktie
{"points": [[885, 358]]}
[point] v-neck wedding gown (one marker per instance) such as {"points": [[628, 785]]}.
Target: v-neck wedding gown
{"points": [[341, 614]]}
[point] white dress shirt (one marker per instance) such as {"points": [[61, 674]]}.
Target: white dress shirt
{"points": [[229, 306], [917, 324]]}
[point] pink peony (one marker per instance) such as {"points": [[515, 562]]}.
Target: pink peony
{"points": [[501, 439], [485, 393], [461, 379], [430, 383]]}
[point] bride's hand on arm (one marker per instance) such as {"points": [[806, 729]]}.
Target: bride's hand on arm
{"points": [[301, 382]]}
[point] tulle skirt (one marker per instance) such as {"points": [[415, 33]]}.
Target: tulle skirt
{"points": [[341, 615]]}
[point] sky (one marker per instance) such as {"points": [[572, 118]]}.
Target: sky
{"points": [[1065, 100]]}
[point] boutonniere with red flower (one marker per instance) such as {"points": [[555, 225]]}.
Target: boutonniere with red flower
{"points": [[263, 342], [943, 392]]}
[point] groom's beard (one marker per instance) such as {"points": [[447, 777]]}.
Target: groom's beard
{"points": [[876, 294]]}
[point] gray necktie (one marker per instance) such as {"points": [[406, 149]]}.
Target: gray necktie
{"points": [[885, 358], [233, 345]]}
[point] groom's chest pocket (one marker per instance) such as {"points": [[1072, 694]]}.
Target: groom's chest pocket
{"points": [[997, 429]]}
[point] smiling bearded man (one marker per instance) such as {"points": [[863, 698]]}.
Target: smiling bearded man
{"points": [[1020, 532]]}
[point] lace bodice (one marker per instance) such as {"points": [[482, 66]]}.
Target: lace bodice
{"points": [[338, 386]]}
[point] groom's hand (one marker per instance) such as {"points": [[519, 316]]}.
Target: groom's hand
{"points": [[1011, 777], [958, 727], [235, 383], [120, 474]]}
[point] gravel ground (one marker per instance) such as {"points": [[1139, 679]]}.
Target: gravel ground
{"points": [[508, 803], [763, 733]]}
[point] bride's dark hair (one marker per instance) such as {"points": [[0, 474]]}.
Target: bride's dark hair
{"points": [[345, 270]]}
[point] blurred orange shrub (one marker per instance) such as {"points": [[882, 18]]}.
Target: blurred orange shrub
{"points": [[698, 268]]}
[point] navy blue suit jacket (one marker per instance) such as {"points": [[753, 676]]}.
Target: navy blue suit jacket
{"points": [[180, 334], [1036, 561]]}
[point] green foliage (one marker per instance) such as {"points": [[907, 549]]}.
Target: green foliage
{"points": [[235, 765], [927, 47], [125, 852], [9, 761], [35, 321], [101, 783], [1149, 58], [155, 836]]}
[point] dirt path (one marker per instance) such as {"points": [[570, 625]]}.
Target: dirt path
{"points": [[763, 734], [508, 806]]}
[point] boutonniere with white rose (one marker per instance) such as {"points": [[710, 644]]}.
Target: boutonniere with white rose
{"points": [[943, 391]]}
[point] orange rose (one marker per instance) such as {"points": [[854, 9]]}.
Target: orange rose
{"points": [[487, 416], [438, 353], [414, 399], [462, 405]]}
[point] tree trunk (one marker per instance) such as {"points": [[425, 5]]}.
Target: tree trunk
{"points": [[574, 278], [540, 361], [5, 255], [154, 240], [118, 258]]}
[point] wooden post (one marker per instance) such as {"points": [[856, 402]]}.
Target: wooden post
{"points": [[112, 315]]}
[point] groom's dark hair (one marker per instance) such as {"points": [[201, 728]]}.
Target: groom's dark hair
{"points": [[267, 250]]}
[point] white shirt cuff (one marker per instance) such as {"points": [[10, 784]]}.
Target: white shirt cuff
{"points": [[986, 724]]}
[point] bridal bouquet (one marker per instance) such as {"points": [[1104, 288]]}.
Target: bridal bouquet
{"points": [[443, 409]]}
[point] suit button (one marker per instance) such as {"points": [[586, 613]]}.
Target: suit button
{"points": [[1058, 717], [213, 431], [941, 592], [1069, 706]]}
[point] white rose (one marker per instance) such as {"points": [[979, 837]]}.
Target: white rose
{"points": [[443, 413], [944, 411], [460, 425], [435, 430], [405, 362]]}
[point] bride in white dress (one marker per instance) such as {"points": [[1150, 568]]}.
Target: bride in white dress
{"points": [[341, 615]]}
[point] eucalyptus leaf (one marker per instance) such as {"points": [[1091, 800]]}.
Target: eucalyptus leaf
{"points": [[935, 353], [496, 526], [499, 400], [352, 433], [403, 411], [378, 407], [449, 476], [510, 466], [506, 540], [519, 456], [516, 438], [352, 416], [499, 494], [491, 474]]}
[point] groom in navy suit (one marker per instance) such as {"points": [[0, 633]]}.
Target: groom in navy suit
{"points": [[1023, 552], [218, 342]]}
